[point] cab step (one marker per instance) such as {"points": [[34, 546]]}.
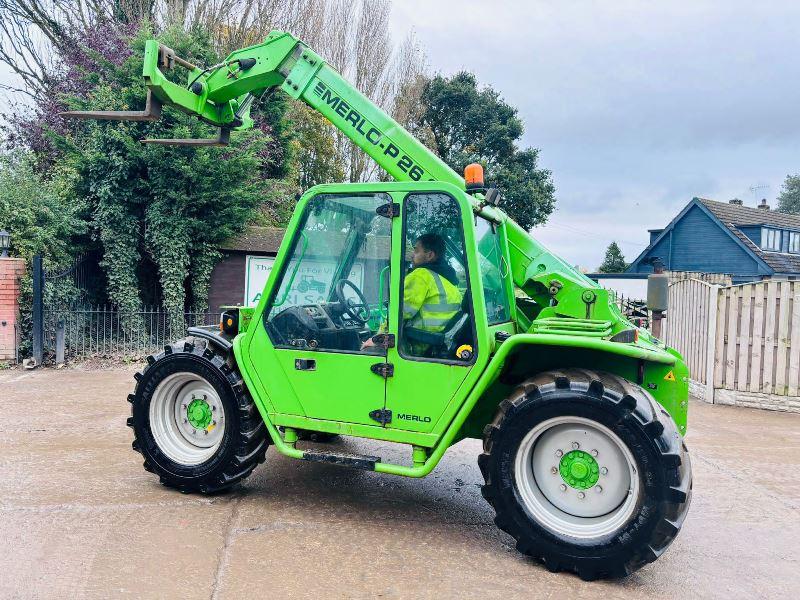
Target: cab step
{"points": [[355, 461]]}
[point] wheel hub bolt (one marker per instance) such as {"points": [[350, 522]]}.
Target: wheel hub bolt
{"points": [[563, 487], [186, 420], [554, 470], [595, 453], [559, 453], [581, 495], [575, 445], [599, 489], [604, 471], [205, 431]]}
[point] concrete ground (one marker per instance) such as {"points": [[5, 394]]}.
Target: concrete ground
{"points": [[80, 518]]}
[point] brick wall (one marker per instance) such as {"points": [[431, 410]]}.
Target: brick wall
{"points": [[228, 278], [11, 269], [227, 281]]}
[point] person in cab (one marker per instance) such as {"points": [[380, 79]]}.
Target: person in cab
{"points": [[431, 297]]}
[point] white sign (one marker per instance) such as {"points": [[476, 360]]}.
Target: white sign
{"points": [[311, 284], [257, 271]]}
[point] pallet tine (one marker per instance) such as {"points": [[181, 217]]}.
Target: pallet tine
{"points": [[151, 112]]}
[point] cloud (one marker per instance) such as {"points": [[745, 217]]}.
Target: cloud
{"points": [[636, 106]]}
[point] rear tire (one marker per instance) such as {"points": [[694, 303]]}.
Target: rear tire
{"points": [[193, 420], [611, 515]]}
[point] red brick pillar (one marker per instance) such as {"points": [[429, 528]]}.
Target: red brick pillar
{"points": [[11, 270]]}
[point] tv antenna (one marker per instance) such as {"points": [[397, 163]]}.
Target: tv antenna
{"points": [[759, 191]]}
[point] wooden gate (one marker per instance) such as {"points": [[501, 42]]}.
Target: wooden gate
{"points": [[758, 342], [741, 342], [690, 324]]}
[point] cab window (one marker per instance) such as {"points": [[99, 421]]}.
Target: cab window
{"points": [[333, 290], [435, 313], [494, 271]]}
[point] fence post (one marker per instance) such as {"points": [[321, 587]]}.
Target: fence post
{"points": [[711, 342], [60, 343], [38, 310]]}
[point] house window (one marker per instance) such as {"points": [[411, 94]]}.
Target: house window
{"points": [[794, 242], [771, 239]]}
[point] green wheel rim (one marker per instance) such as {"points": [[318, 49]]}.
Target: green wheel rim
{"points": [[579, 470], [199, 413]]}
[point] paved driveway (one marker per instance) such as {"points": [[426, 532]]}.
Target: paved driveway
{"points": [[80, 518]]}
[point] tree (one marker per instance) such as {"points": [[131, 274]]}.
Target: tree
{"points": [[146, 206], [614, 261], [313, 148], [789, 198], [162, 210], [42, 214], [44, 217], [465, 124]]}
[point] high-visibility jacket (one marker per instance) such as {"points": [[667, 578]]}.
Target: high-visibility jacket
{"points": [[429, 300]]}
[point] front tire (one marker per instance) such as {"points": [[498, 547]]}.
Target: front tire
{"points": [[193, 420], [587, 472]]}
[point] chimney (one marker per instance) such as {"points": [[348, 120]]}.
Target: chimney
{"points": [[735, 201], [654, 233], [763, 205]]}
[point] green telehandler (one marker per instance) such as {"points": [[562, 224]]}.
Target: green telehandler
{"points": [[582, 414]]}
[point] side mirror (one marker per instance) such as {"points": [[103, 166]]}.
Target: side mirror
{"points": [[492, 196]]}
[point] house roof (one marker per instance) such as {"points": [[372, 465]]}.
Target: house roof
{"points": [[749, 215], [255, 239], [734, 216], [268, 239]]}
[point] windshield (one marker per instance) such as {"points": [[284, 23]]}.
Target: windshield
{"points": [[341, 238]]}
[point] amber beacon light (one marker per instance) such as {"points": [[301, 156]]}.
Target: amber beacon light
{"points": [[473, 176]]}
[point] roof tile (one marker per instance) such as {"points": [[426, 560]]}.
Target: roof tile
{"points": [[255, 239]]}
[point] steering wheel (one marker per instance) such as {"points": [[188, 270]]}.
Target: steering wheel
{"points": [[359, 311]]}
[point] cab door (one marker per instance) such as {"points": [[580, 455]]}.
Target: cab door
{"points": [[427, 376], [321, 370]]}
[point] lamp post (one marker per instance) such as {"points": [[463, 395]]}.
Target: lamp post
{"points": [[5, 242]]}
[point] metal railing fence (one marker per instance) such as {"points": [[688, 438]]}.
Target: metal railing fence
{"points": [[634, 309], [107, 331]]}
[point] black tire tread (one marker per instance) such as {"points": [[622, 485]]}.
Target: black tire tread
{"points": [[635, 404], [253, 440]]}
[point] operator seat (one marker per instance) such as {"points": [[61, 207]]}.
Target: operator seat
{"points": [[443, 344]]}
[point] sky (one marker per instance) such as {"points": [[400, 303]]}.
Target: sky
{"points": [[636, 106]]}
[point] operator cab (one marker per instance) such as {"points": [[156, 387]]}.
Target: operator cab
{"points": [[333, 293]]}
